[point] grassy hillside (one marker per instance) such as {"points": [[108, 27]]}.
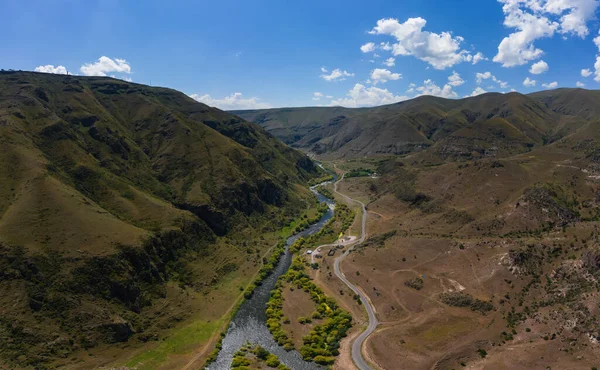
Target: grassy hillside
{"points": [[415, 125], [292, 124], [116, 196]]}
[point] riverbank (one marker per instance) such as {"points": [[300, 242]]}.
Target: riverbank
{"points": [[249, 323]]}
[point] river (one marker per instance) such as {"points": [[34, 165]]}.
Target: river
{"points": [[249, 322]]}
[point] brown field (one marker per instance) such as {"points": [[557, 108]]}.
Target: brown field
{"points": [[452, 252], [297, 303]]}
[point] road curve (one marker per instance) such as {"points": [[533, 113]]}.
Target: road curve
{"points": [[357, 356]]}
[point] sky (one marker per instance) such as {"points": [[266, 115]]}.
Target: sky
{"points": [[275, 53]]}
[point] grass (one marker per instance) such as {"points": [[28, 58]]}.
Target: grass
{"points": [[178, 342]]}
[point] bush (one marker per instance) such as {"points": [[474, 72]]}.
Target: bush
{"points": [[416, 283], [459, 299]]}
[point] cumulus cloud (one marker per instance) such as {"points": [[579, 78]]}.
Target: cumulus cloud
{"points": [[455, 80], [439, 50], [362, 96], [478, 91], [597, 69], [586, 72], [105, 65], [478, 58], [411, 88], [368, 47], [58, 70], [551, 85], [579, 84], [385, 46], [231, 102], [536, 19], [597, 64], [488, 75], [430, 88], [125, 78], [390, 62], [382, 75], [317, 96], [539, 68], [335, 75], [529, 82]]}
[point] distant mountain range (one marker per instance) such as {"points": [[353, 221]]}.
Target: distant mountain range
{"points": [[488, 125]]}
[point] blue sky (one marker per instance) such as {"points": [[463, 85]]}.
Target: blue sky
{"points": [[273, 53]]}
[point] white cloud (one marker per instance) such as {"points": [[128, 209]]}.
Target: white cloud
{"points": [[335, 75], [574, 14], [536, 19], [586, 72], [390, 62], [478, 91], [478, 58], [488, 75], [329, 97], [368, 47], [455, 80], [430, 88], [539, 68], [323, 69], [529, 82], [596, 64], [128, 79], [361, 96], [59, 70], [231, 102], [411, 88], [483, 76], [579, 84], [551, 85], [439, 50], [385, 46], [317, 95], [383, 75], [518, 48], [105, 65], [597, 69]]}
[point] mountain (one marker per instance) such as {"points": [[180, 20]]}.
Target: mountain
{"points": [[491, 124], [111, 192], [291, 124]]}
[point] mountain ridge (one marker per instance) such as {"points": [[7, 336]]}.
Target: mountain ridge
{"points": [[416, 124]]}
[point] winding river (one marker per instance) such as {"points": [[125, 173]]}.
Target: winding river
{"points": [[249, 323]]}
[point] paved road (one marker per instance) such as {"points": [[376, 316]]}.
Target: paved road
{"points": [[357, 356]]}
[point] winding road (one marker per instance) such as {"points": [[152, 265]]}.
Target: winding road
{"points": [[357, 356]]}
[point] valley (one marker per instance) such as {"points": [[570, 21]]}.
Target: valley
{"points": [[145, 230]]}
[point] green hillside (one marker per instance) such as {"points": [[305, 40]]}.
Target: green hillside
{"points": [[415, 125], [116, 196]]}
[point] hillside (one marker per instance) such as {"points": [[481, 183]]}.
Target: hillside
{"points": [[116, 196], [291, 124], [447, 125], [480, 263]]}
